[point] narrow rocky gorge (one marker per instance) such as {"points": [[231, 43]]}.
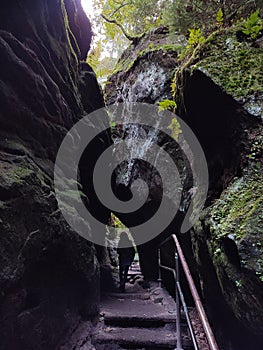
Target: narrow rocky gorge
{"points": [[50, 277], [222, 103]]}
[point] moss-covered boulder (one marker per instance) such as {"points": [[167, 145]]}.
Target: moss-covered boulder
{"points": [[235, 63], [219, 94], [236, 227]]}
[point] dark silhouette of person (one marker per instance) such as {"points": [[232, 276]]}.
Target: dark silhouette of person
{"points": [[126, 256]]}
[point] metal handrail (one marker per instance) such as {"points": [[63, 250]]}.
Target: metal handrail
{"points": [[180, 297], [198, 304]]}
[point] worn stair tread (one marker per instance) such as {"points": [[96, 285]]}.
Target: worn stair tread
{"points": [[138, 337], [138, 319], [127, 295], [122, 309]]}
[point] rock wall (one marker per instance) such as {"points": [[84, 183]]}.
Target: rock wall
{"points": [[49, 276], [145, 70], [218, 91], [220, 96], [144, 74]]}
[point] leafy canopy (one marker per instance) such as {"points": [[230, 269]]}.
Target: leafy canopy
{"points": [[119, 22]]}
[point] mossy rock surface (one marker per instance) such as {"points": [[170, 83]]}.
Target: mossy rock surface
{"points": [[235, 63], [234, 224], [238, 214], [219, 93], [157, 40]]}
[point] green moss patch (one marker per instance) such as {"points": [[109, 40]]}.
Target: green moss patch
{"points": [[127, 63], [239, 210], [234, 65], [11, 174], [238, 215]]}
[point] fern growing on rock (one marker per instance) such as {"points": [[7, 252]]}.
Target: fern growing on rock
{"points": [[253, 25]]}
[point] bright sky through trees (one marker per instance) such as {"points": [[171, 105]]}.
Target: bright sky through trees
{"points": [[88, 7]]}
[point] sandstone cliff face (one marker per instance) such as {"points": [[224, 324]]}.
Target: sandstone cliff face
{"points": [[49, 276], [219, 95]]}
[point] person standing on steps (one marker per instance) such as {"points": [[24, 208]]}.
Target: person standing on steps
{"points": [[126, 256]]}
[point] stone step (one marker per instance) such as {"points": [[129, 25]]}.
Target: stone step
{"points": [[128, 310], [137, 338], [135, 322], [138, 319], [127, 295], [147, 321]]}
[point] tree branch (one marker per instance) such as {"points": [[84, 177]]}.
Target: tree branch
{"points": [[117, 2], [129, 37], [118, 9]]}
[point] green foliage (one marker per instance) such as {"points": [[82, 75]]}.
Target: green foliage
{"points": [[101, 64], [175, 129], [253, 25], [220, 17], [173, 86], [94, 56], [135, 16], [167, 105], [195, 38], [116, 21], [256, 149], [174, 126], [181, 15], [115, 222]]}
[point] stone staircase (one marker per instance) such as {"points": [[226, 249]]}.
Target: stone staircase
{"points": [[138, 319]]}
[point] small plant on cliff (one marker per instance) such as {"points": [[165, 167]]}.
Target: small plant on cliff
{"points": [[220, 18], [167, 105], [174, 125], [175, 129], [256, 149], [195, 38], [253, 25], [115, 222], [173, 86]]}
